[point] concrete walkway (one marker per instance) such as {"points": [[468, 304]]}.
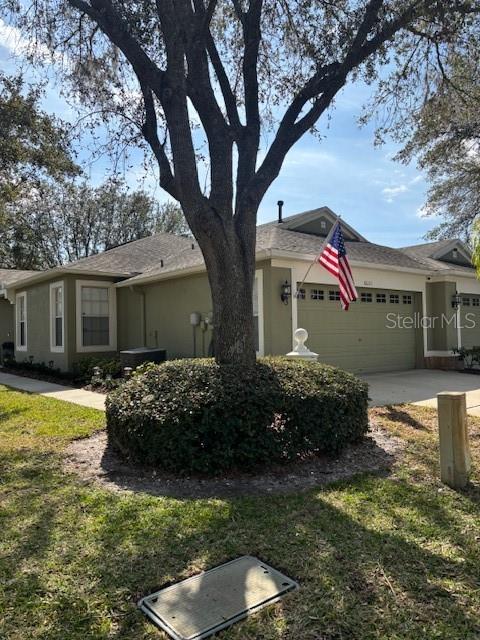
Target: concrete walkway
{"points": [[49, 390], [421, 386]]}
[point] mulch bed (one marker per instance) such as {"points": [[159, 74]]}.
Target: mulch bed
{"points": [[95, 461]]}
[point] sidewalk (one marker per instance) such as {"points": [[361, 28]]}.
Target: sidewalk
{"points": [[48, 389]]}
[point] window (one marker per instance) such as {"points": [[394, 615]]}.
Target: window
{"points": [[394, 298], [258, 312], [381, 298], [407, 299], [21, 320], [96, 316], [366, 297], [475, 302], [334, 295], [466, 302], [316, 294], [301, 294], [57, 322]]}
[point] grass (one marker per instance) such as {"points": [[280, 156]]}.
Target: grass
{"points": [[377, 557]]}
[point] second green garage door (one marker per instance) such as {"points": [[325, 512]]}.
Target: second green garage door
{"points": [[368, 337]]}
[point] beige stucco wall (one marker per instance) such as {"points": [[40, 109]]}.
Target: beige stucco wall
{"points": [[168, 306], [442, 331], [38, 323], [130, 314], [38, 327], [72, 354], [277, 315]]}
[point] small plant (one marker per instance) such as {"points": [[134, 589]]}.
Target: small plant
{"points": [[470, 357], [83, 370]]}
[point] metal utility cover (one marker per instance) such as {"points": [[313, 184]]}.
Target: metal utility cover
{"points": [[202, 605]]}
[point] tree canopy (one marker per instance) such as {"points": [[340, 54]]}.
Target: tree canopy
{"points": [[221, 80], [443, 136], [62, 222], [33, 144]]}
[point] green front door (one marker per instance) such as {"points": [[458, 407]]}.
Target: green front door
{"points": [[377, 333]]}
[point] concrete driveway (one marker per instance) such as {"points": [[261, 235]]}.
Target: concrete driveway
{"points": [[421, 386]]}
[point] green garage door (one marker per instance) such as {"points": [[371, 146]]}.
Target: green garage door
{"points": [[367, 337], [470, 319]]}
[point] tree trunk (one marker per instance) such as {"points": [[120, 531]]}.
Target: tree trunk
{"points": [[230, 260]]}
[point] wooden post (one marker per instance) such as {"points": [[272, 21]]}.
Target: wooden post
{"points": [[455, 460]]}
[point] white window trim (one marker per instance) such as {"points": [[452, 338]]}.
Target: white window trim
{"points": [[18, 346], [112, 309], [57, 285], [261, 329]]}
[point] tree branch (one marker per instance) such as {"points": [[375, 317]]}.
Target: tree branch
{"points": [[323, 86], [150, 132]]}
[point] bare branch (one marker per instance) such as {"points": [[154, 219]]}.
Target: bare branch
{"points": [[150, 132]]}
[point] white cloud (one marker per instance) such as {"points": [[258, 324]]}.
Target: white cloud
{"points": [[391, 193], [417, 179], [309, 158], [12, 39]]}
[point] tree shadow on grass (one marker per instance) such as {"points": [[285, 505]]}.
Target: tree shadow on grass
{"points": [[395, 414], [343, 567], [374, 558]]}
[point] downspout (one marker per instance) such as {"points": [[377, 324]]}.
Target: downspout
{"points": [[143, 321]]}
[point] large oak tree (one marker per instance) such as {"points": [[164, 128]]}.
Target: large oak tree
{"points": [[244, 74]]}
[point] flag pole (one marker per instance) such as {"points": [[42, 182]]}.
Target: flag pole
{"points": [[325, 242]]}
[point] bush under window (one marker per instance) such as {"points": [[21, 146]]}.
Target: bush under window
{"points": [[194, 416]]}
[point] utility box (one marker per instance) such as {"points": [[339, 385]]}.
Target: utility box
{"points": [[135, 357]]}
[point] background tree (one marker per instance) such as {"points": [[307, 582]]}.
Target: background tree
{"points": [[56, 223], [240, 68], [443, 136], [33, 144]]}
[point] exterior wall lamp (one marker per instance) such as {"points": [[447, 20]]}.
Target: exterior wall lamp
{"points": [[286, 292], [456, 300]]}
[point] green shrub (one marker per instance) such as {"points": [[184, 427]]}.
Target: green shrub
{"points": [[29, 366], [195, 416], [83, 368]]}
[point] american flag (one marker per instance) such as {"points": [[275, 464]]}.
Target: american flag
{"points": [[334, 259]]}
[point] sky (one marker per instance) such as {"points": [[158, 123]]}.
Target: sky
{"points": [[381, 198]]}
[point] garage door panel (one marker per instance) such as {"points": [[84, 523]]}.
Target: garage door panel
{"points": [[359, 340], [470, 320]]}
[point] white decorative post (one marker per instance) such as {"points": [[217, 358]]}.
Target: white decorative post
{"points": [[301, 351]]}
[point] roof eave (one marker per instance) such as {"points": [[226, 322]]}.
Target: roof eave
{"points": [[263, 254], [57, 271]]}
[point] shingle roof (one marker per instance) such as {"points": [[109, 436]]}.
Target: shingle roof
{"points": [[423, 253], [273, 237], [142, 259], [306, 243], [124, 261], [13, 275], [133, 257], [294, 221]]}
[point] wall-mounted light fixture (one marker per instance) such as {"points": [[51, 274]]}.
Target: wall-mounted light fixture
{"points": [[456, 300], [286, 292]]}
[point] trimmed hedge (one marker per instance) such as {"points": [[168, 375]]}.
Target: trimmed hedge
{"points": [[195, 416]]}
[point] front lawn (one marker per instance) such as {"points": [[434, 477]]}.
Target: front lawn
{"points": [[377, 557]]}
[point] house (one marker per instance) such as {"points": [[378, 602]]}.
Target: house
{"points": [[415, 304], [7, 315]]}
